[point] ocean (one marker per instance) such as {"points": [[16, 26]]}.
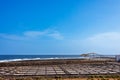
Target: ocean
{"points": [[8, 58]]}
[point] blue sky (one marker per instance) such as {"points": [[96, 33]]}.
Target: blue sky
{"points": [[45, 27]]}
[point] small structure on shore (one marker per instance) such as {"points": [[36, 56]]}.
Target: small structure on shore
{"points": [[118, 58]]}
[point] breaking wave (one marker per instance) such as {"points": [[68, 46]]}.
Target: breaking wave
{"points": [[25, 59]]}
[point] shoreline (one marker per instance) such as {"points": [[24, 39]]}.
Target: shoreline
{"points": [[53, 62]]}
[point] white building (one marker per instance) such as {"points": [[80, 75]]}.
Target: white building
{"points": [[118, 58]]}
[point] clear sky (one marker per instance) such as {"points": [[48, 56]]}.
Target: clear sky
{"points": [[59, 26]]}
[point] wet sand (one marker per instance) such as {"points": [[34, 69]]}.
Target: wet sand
{"points": [[53, 62]]}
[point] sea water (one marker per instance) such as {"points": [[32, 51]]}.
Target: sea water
{"points": [[8, 58]]}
